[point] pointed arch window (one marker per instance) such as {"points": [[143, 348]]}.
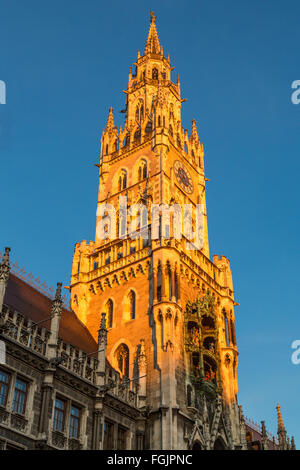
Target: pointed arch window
{"points": [[171, 131], [139, 111], [142, 172], [122, 182], [159, 284], [132, 304], [169, 282], [232, 330], [226, 326], [176, 286], [122, 359], [126, 140], [189, 395], [117, 225], [148, 128], [109, 307], [137, 135], [154, 73]]}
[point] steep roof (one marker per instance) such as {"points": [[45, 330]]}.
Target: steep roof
{"points": [[36, 306]]}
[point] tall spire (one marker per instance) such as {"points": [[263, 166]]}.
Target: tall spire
{"points": [[279, 419], [152, 45]]}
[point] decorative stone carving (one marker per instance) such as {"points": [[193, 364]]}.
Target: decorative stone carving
{"points": [[18, 422], [58, 439]]}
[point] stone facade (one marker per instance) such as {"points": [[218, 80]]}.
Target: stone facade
{"points": [[54, 369]]}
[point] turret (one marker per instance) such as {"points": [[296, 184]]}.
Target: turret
{"points": [[56, 310]]}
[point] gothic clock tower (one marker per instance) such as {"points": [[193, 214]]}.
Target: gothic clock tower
{"points": [[169, 309]]}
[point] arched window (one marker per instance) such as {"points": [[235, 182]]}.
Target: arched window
{"points": [[169, 282], [176, 286], [137, 135], [148, 128], [132, 304], [154, 73], [106, 149], [139, 111], [122, 182], [232, 329], [209, 344], [117, 225], [189, 395], [109, 308], [171, 130], [178, 141], [142, 173], [209, 369], [226, 328], [126, 140], [158, 121], [122, 359], [159, 283]]}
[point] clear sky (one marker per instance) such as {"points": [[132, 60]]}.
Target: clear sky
{"points": [[64, 64]]}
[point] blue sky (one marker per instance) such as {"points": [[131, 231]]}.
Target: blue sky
{"points": [[65, 63]]}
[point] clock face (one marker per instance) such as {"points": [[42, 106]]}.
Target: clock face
{"points": [[183, 177]]}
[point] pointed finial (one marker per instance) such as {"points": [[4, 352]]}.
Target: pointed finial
{"points": [[153, 45], [58, 291], [280, 425], [263, 429], [57, 302], [102, 332], [110, 121], [130, 77], [103, 321], [5, 266], [194, 130], [152, 17], [293, 446]]}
